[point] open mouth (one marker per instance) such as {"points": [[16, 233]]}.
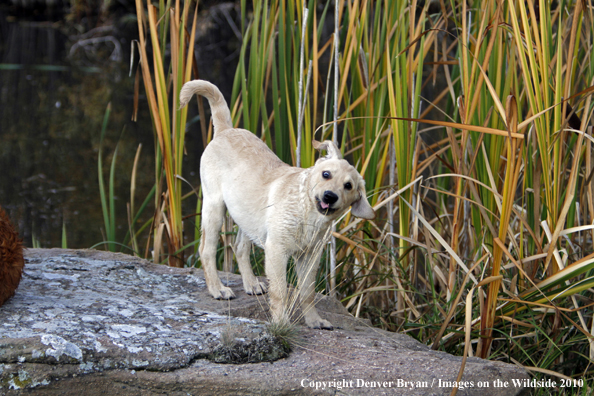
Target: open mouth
{"points": [[324, 208]]}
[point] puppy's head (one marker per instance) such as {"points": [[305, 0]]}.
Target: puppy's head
{"points": [[335, 185]]}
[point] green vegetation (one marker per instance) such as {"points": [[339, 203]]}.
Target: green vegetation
{"points": [[167, 25]]}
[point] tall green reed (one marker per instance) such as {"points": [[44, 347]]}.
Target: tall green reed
{"points": [[167, 25], [107, 197]]}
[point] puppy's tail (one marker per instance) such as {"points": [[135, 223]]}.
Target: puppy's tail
{"points": [[221, 116]]}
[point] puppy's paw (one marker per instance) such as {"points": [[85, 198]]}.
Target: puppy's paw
{"points": [[224, 293], [255, 288], [319, 323]]}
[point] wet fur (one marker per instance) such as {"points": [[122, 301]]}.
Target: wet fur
{"points": [[276, 206]]}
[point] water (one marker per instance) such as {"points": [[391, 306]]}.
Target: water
{"points": [[55, 84]]}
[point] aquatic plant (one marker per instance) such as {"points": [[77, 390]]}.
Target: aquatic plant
{"points": [[168, 27]]}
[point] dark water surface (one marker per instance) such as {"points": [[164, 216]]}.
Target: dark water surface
{"points": [[55, 84]]}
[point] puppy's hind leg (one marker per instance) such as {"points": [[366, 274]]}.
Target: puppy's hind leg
{"points": [[213, 211], [243, 246]]}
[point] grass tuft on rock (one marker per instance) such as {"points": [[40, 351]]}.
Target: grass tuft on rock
{"points": [[285, 332]]}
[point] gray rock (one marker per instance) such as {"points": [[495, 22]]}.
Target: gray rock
{"points": [[87, 322]]}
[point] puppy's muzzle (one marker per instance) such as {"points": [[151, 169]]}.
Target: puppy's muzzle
{"points": [[325, 204]]}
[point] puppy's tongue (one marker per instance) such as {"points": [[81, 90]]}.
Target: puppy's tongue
{"points": [[324, 205]]}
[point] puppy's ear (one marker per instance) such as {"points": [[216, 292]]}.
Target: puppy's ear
{"points": [[361, 207], [332, 152]]}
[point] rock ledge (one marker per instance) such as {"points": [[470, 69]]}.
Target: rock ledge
{"points": [[93, 323]]}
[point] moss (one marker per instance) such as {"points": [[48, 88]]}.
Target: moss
{"points": [[265, 348]]}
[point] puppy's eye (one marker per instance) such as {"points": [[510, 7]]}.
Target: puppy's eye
{"points": [[348, 186], [326, 175]]}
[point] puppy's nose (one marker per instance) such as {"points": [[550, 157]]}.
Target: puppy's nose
{"points": [[330, 197]]}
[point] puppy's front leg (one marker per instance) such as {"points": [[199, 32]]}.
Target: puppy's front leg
{"points": [[276, 272], [307, 265], [243, 246]]}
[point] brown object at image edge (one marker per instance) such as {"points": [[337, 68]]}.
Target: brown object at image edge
{"points": [[11, 258]]}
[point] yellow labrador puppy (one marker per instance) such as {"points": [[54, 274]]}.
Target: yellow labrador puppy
{"points": [[285, 210]]}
